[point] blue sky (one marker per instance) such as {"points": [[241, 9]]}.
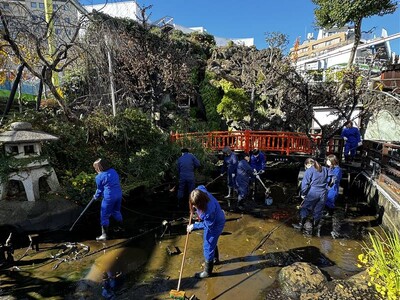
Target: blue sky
{"points": [[244, 19]]}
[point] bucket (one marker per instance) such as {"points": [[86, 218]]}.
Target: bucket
{"points": [[268, 201]]}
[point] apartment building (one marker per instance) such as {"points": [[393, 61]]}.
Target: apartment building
{"points": [[32, 13], [331, 49]]}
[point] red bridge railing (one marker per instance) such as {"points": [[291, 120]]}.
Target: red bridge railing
{"points": [[285, 143], [268, 141]]}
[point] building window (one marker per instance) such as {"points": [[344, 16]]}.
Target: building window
{"points": [[29, 149], [41, 5], [55, 6], [33, 4], [6, 5]]}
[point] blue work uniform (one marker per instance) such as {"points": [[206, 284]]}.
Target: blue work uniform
{"points": [[353, 138], [334, 178], [109, 187], [243, 175], [314, 188], [257, 162], [230, 166], [186, 165], [213, 222]]}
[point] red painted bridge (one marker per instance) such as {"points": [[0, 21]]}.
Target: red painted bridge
{"points": [[280, 142]]}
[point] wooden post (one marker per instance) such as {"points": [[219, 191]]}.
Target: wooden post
{"points": [[247, 140]]}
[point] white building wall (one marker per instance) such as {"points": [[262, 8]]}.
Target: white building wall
{"points": [[126, 9]]}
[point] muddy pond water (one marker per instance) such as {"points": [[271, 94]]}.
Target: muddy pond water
{"points": [[145, 261]]}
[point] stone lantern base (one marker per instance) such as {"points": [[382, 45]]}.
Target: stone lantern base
{"points": [[30, 180]]}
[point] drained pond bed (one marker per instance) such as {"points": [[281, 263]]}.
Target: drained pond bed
{"points": [[144, 262]]}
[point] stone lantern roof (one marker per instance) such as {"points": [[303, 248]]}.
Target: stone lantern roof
{"points": [[21, 132]]}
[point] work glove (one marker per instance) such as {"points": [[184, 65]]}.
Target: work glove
{"points": [[359, 143], [261, 172], [255, 172], [94, 198], [189, 228], [345, 138], [303, 197], [233, 175]]}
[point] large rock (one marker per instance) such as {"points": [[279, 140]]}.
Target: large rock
{"points": [[301, 278], [39, 215]]}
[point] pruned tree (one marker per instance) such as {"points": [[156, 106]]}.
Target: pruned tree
{"points": [[277, 43], [247, 69], [150, 65]]}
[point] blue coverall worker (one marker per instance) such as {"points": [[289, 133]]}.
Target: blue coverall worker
{"points": [[212, 222], [352, 138], [108, 187], [230, 166], [334, 178], [313, 192], [243, 175], [257, 163], [186, 165]]}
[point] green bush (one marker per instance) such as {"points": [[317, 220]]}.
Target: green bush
{"points": [[381, 257], [82, 187]]}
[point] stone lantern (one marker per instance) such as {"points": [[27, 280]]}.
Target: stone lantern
{"points": [[22, 142]]}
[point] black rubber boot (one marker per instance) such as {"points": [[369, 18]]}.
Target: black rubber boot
{"points": [[119, 228], [216, 256], [240, 205], [331, 211], [208, 267], [316, 228], [103, 236], [300, 226]]}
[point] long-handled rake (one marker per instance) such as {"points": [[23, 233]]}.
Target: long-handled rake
{"points": [[87, 206], [177, 294], [268, 199]]}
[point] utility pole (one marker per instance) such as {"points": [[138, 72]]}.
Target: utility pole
{"points": [[110, 73], [48, 9]]}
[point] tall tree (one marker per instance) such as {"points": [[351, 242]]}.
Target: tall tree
{"points": [[330, 13]]}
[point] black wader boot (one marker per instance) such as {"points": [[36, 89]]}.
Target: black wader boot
{"points": [[103, 236], [316, 228], [216, 256], [119, 228], [300, 226], [208, 267]]}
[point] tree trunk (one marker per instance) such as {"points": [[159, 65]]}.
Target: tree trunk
{"points": [[253, 106], [40, 91], [357, 37], [13, 92], [20, 98]]}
